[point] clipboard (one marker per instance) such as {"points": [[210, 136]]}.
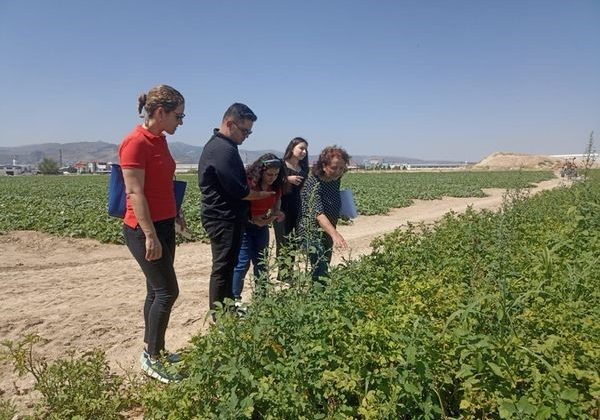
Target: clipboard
{"points": [[348, 209]]}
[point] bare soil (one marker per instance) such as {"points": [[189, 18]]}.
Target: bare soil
{"points": [[79, 294]]}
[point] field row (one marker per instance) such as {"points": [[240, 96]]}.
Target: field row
{"points": [[75, 206]]}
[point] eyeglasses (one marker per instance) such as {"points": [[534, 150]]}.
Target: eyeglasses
{"points": [[245, 131], [180, 117], [271, 163]]}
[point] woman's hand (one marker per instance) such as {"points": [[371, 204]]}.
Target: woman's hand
{"points": [[339, 241], [295, 179], [153, 248]]}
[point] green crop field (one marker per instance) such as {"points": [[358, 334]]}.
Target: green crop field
{"points": [[75, 206], [376, 193], [490, 314], [483, 315]]}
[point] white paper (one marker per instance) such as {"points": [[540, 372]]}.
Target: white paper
{"points": [[348, 209]]}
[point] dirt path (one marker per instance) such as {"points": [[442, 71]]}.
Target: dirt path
{"points": [[80, 294], [364, 229]]}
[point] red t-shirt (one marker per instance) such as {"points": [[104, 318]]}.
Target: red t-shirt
{"points": [[143, 150], [262, 206]]}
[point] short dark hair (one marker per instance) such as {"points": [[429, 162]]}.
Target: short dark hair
{"points": [[238, 112]]}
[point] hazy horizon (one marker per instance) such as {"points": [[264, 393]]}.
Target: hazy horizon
{"points": [[243, 150]]}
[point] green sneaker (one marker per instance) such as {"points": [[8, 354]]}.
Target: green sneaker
{"points": [[172, 357], [169, 357], [156, 370]]}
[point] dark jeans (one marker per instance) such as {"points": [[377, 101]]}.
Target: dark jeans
{"points": [[161, 282], [225, 242], [255, 246]]}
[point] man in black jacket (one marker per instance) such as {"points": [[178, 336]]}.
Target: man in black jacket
{"points": [[225, 194]]}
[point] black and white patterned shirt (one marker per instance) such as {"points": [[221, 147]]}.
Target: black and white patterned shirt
{"points": [[319, 197]]}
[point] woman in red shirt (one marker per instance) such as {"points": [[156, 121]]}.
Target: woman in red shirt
{"points": [[266, 174], [149, 223]]}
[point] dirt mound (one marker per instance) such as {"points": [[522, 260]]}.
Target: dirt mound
{"points": [[501, 160]]}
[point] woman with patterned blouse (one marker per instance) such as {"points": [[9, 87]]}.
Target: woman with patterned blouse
{"points": [[321, 206]]}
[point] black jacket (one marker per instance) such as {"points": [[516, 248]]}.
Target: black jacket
{"points": [[222, 180]]}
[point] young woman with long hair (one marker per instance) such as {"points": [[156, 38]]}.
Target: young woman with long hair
{"points": [[265, 174]]}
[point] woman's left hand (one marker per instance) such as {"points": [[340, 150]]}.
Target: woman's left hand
{"points": [[339, 241]]}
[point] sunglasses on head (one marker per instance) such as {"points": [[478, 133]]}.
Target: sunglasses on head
{"points": [[271, 163]]}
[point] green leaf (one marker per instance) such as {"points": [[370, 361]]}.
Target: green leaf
{"points": [[465, 371], [543, 413], [411, 388], [525, 406], [411, 353], [507, 409], [500, 314], [495, 368], [562, 409], [570, 394]]}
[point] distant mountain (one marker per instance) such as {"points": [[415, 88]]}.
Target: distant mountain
{"points": [[85, 151], [99, 151]]}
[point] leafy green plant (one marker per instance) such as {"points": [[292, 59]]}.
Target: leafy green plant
{"points": [[590, 156], [48, 167], [7, 410], [484, 314], [72, 387]]}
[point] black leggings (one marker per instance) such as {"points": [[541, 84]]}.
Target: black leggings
{"points": [[161, 282]]}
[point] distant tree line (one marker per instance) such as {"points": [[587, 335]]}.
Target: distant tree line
{"points": [[48, 167]]}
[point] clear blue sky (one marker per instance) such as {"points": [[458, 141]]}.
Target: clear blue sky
{"points": [[424, 79]]}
